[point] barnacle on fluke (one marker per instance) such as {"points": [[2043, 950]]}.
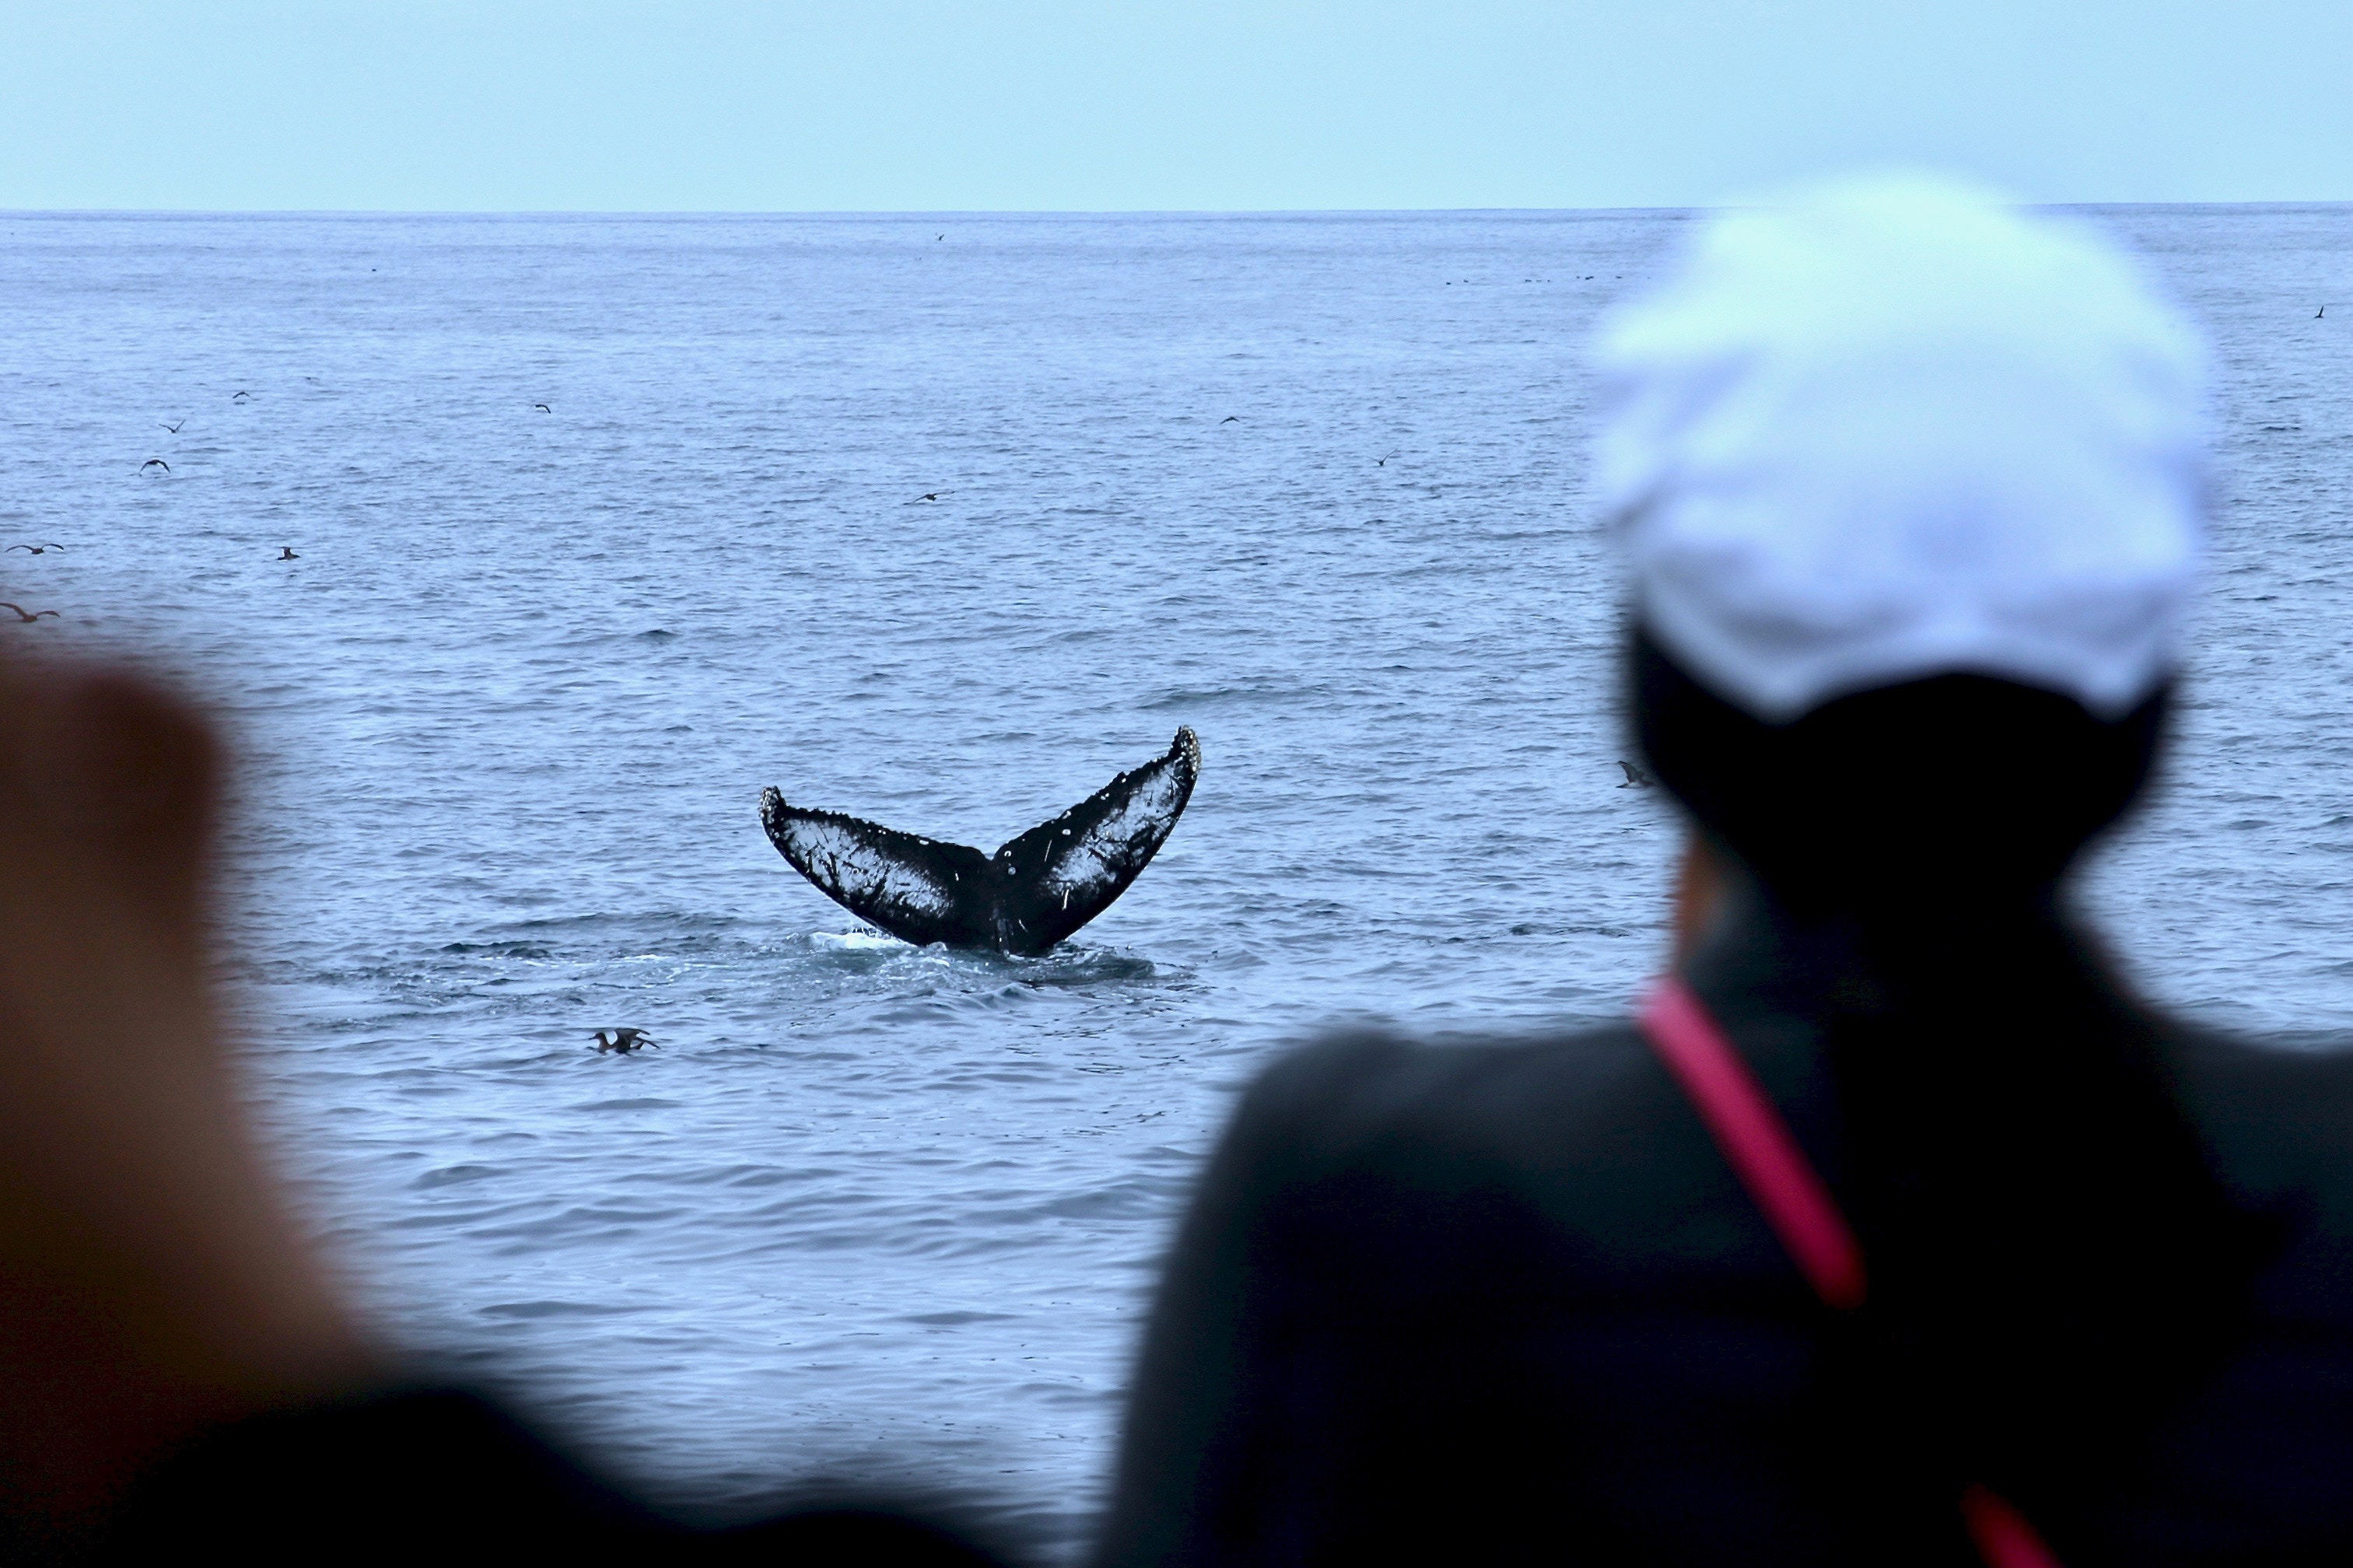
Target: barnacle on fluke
{"points": [[1034, 891]]}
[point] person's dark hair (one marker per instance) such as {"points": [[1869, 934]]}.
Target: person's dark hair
{"points": [[2053, 1264]]}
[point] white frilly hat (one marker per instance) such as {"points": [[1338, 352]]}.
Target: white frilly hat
{"points": [[1895, 427]]}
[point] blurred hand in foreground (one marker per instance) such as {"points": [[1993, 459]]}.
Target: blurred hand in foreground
{"points": [[151, 1282]]}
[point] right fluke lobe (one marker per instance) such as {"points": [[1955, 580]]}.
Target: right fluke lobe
{"points": [[1034, 891]]}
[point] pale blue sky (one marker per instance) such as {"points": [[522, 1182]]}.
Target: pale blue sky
{"points": [[1044, 104]]}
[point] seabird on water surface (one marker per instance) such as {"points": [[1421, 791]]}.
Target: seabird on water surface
{"points": [[286, 552], [623, 1040]]}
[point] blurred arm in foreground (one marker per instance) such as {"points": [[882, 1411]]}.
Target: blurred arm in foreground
{"points": [[175, 1371], [150, 1282]]}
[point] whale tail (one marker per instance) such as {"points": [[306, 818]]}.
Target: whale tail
{"points": [[1033, 892]]}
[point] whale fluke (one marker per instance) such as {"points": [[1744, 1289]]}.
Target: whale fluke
{"points": [[1035, 891]]}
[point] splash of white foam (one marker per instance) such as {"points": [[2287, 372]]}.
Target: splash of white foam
{"points": [[852, 941]]}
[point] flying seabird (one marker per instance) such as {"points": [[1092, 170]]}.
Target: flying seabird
{"points": [[42, 549], [935, 495], [24, 614], [1231, 419], [542, 407], [623, 1040], [240, 397], [154, 463], [2320, 313], [286, 552], [174, 430], [1635, 778]]}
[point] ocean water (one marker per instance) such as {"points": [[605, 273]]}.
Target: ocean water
{"points": [[1313, 485]]}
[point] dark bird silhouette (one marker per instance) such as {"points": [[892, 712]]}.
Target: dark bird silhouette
{"points": [[1035, 891], [154, 463], [1635, 778], [286, 552], [1383, 462], [41, 549], [623, 1040], [2321, 313], [24, 614], [174, 430], [542, 407], [1231, 419], [935, 495], [939, 237], [240, 397]]}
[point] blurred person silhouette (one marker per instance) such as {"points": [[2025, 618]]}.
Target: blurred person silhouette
{"points": [[176, 1371], [1897, 1229]]}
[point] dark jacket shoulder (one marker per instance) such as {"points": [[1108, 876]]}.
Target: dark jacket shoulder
{"points": [[1584, 1136]]}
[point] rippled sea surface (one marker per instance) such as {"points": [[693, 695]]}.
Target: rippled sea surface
{"points": [[1312, 484]]}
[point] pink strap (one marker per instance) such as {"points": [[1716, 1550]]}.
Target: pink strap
{"points": [[1757, 1144], [2003, 1537]]}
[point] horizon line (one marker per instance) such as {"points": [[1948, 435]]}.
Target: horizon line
{"points": [[1654, 209]]}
